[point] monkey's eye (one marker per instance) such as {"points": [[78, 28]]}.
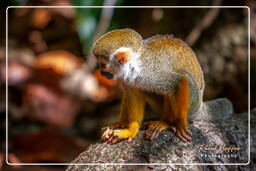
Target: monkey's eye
{"points": [[102, 62], [102, 65]]}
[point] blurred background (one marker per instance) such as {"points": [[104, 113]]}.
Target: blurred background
{"points": [[58, 101]]}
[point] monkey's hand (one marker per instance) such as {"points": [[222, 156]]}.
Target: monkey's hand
{"points": [[114, 135]]}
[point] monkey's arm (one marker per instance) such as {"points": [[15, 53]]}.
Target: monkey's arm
{"points": [[131, 116]]}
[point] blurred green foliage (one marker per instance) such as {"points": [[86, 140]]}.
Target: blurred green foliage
{"points": [[18, 2], [88, 19]]}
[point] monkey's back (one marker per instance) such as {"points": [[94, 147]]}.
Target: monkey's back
{"points": [[172, 54]]}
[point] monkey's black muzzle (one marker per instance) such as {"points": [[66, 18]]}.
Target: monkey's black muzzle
{"points": [[107, 74]]}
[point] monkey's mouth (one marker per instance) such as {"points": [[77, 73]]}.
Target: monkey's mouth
{"points": [[106, 74]]}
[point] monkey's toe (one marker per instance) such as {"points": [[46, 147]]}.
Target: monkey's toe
{"points": [[184, 134], [154, 128], [107, 134], [113, 139]]}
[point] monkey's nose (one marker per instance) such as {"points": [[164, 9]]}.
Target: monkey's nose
{"points": [[107, 74]]}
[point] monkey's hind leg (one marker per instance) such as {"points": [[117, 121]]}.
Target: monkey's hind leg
{"points": [[180, 106]]}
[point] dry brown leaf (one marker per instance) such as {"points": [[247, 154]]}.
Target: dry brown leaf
{"points": [[17, 73], [44, 103], [59, 61], [40, 18]]}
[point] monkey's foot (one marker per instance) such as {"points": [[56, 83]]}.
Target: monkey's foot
{"points": [[154, 128], [183, 133], [114, 135]]}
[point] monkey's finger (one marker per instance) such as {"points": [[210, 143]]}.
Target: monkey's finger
{"points": [[154, 126], [104, 137], [188, 132], [107, 135], [129, 140], [160, 130], [109, 139], [188, 138], [147, 134], [153, 135], [150, 131], [114, 140], [103, 131], [178, 134], [155, 132], [108, 131]]}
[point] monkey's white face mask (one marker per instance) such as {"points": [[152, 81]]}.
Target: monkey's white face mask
{"points": [[123, 64]]}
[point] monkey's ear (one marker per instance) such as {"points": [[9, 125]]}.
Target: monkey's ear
{"points": [[123, 57]]}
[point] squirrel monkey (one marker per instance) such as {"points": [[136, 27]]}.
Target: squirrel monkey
{"points": [[161, 65]]}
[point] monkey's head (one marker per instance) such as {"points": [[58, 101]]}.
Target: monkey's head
{"points": [[118, 54]]}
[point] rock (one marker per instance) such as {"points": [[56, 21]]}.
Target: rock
{"points": [[229, 136]]}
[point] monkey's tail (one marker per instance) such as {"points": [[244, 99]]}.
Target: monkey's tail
{"points": [[214, 110]]}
